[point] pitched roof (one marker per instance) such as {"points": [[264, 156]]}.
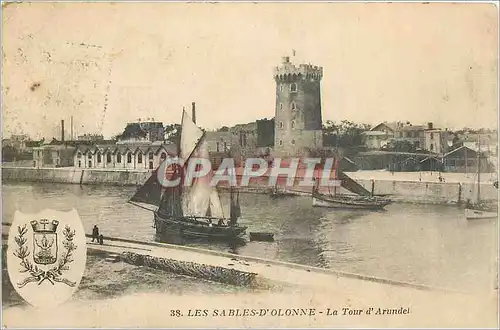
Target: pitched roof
{"points": [[392, 126], [473, 153]]}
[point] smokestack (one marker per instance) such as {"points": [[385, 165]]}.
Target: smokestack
{"points": [[193, 112], [62, 130], [71, 128]]}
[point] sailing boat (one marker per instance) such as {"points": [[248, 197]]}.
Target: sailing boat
{"points": [[195, 211], [364, 200], [277, 193], [479, 210]]}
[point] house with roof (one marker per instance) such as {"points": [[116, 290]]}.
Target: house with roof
{"points": [[374, 140], [123, 156], [53, 155], [465, 160], [386, 127], [415, 134]]}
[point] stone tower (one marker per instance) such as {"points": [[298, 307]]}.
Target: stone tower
{"points": [[298, 108]]}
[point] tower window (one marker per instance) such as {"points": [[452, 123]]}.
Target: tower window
{"points": [[293, 106], [293, 124], [281, 87], [281, 106], [281, 142], [281, 125], [293, 141], [293, 88]]}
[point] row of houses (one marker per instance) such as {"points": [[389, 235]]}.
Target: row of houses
{"points": [[134, 156], [427, 138], [421, 137]]}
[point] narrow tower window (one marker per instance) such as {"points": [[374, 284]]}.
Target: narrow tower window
{"points": [[293, 124], [281, 87], [293, 106], [281, 125], [293, 87], [281, 106]]}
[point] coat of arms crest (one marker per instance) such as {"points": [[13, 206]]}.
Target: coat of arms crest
{"points": [[47, 251]]}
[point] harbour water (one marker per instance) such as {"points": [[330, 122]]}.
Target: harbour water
{"points": [[426, 244]]}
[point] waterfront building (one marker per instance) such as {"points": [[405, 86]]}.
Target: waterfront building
{"points": [[298, 119], [241, 141], [53, 156], [464, 160], [123, 156]]}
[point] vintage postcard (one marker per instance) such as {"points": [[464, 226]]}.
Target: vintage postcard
{"points": [[234, 165]]}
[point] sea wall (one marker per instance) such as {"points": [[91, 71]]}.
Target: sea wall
{"points": [[404, 191], [430, 192], [75, 175]]}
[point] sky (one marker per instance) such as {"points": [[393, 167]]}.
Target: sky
{"points": [[109, 64]]}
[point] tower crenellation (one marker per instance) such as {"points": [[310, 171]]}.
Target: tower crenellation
{"points": [[289, 71], [298, 118]]}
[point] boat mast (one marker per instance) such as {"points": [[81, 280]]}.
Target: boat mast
{"points": [[478, 168]]}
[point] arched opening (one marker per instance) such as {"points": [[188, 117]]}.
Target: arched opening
{"points": [[139, 158], [293, 87], [129, 158]]}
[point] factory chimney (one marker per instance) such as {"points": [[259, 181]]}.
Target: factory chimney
{"points": [[72, 128], [62, 130], [193, 112]]}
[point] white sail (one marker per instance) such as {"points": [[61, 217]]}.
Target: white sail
{"points": [[190, 135], [216, 205], [200, 195]]}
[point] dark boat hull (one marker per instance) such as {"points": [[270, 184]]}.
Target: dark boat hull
{"points": [[282, 195], [190, 227], [346, 202]]}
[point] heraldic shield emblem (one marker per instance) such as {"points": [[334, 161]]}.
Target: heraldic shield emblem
{"points": [[46, 256]]}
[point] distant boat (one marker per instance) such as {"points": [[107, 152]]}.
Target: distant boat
{"points": [[364, 200], [480, 210], [277, 193], [475, 214], [195, 211], [344, 201]]}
